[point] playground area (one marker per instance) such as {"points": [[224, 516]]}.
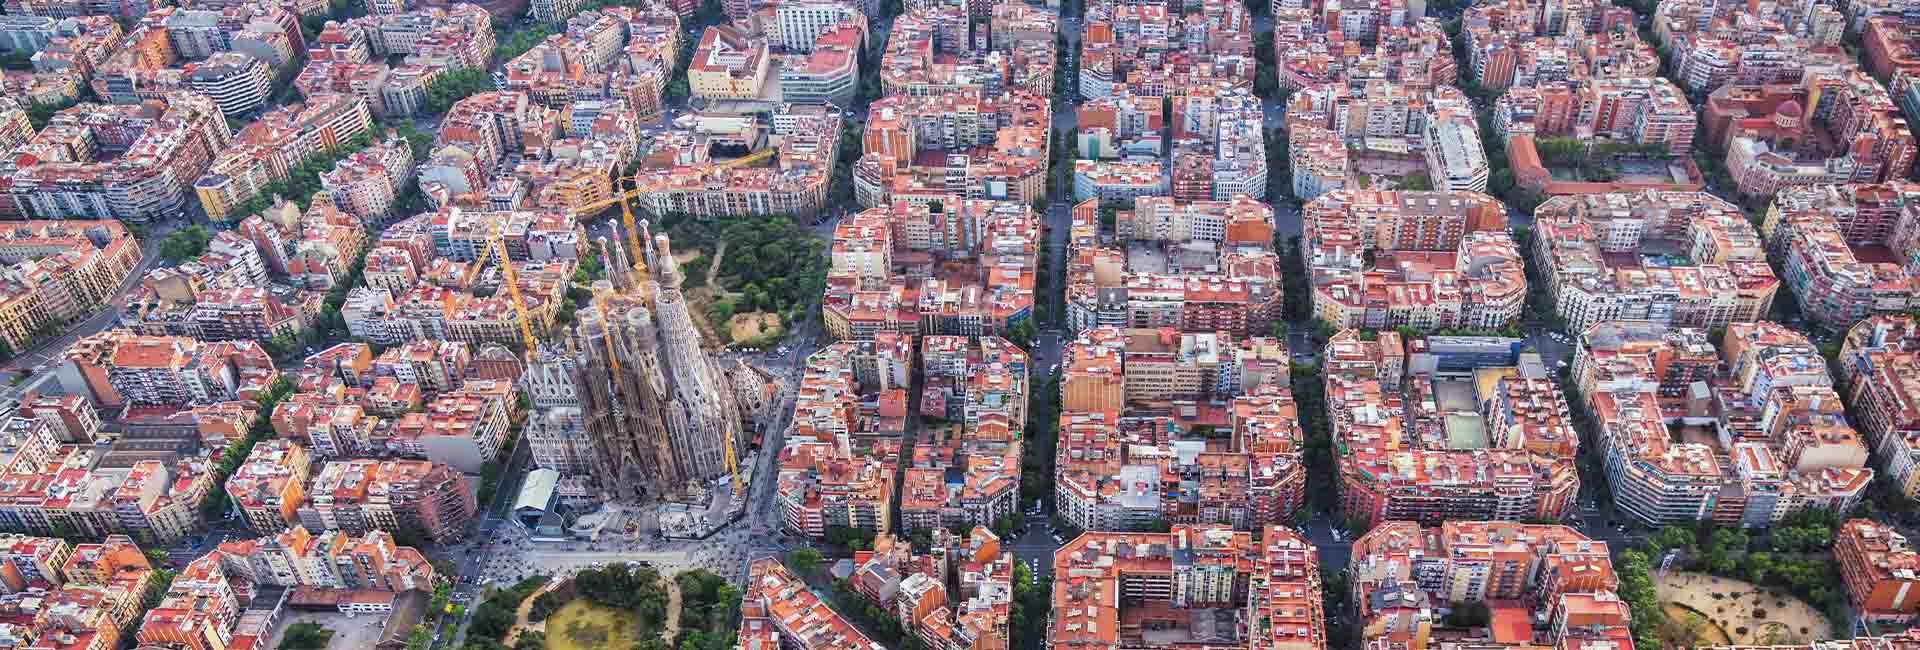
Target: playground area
{"points": [[1737, 612]]}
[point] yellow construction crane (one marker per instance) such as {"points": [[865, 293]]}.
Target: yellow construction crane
{"points": [[733, 467], [757, 156], [623, 198], [499, 247]]}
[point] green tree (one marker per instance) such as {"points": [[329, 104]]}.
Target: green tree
{"points": [[17, 60], [305, 636], [1021, 334], [419, 637], [39, 114], [451, 87], [804, 561], [185, 244]]}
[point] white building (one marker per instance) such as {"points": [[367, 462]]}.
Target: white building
{"points": [[1455, 160], [802, 22]]}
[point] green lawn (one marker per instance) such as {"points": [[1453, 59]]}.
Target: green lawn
{"points": [[581, 625]]}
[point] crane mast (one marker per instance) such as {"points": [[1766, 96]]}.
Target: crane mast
{"points": [[499, 247]]}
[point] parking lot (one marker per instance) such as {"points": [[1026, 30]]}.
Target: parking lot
{"points": [[358, 632]]}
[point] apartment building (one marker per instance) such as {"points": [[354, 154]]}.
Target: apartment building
{"points": [[414, 496], [553, 11], [1630, 110], [116, 368], [1439, 260], [1199, 575], [32, 562], [1515, 45], [1880, 571], [1638, 110], [1371, 123], [1455, 159], [366, 183], [964, 267], [1821, 233], [978, 146], [678, 174], [729, 64], [841, 457], [58, 271], [1441, 431], [1392, 41], [135, 162], [828, 72], [1150, 50], [66, 54], [1118, 181], [981, 388], [610, 54], [16, 127], [1892, 46], [929, 51], [1748, 51], [1722, 278], [1877, 362], [198, 610], [352, 57], [801, 24], [1119, 464], [463, 430], [267, 150], [970, 612], [1779, 443], [46, 490], [87, 601], [270, 486], [237, 82], [1402, 574], [779, 611], [329, 560], [1202, 266]]}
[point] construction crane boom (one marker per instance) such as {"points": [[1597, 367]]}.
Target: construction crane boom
{"points": [[512, 279], [754, 157]]}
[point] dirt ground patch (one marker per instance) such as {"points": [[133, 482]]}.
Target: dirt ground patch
{"points": [[580, 625], [1747, 614], [753, 325], [698, 300], [1714, 635]]}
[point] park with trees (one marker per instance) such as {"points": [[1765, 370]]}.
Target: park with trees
{"points": [[618, 607], [748, 267]]}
